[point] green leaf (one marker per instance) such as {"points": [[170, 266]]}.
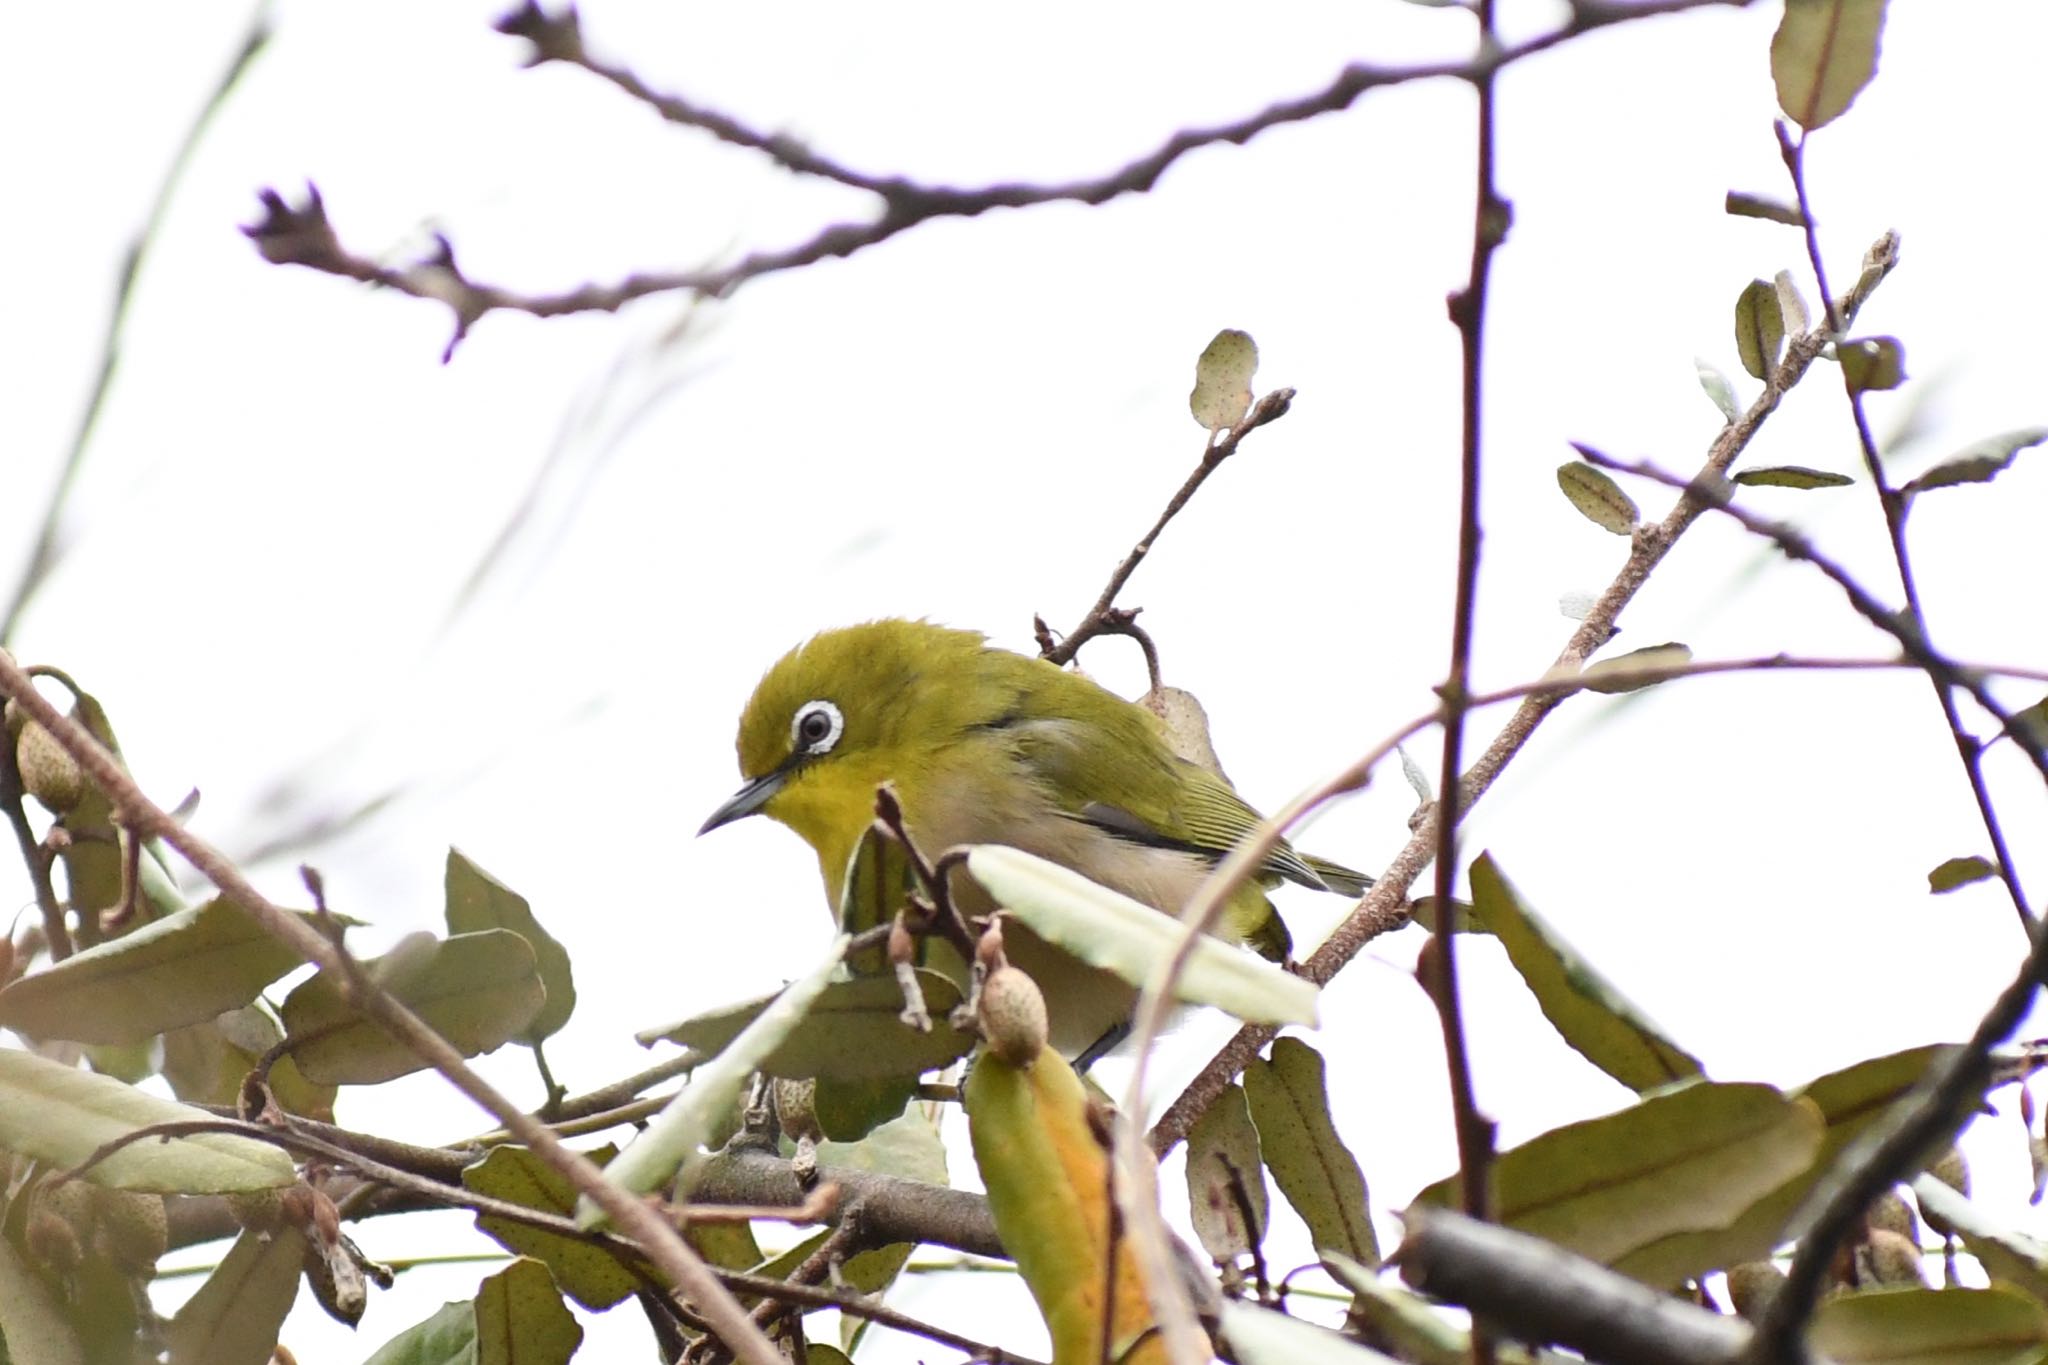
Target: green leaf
{"points": [[206, 1063], [1791, 476], [1588, 1012], [588, 1274], [1613, 676], [1120, 935], [1957, 872], [521, 1319], [1744, 204], [33, 1328], [1687, 1160], [1260, 1336], [1400, 1320], [1872, 363], [447, 1338], [475, 990], [907, 1146], [1223, 1155], [1759, 328], [477, 901], [1995, 1326], [235, 1316], [675, 1137], [1223, 381], [1313, 1168], [61, 1115], [183, 969], [848, 1111], [1848, 1101], [1978, 463], [1823, 54], [2031, 723], [854, 1032], [1718, 389], [1598, 498]]}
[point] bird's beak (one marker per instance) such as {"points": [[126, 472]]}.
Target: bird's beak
{"points": [[748, 799]]}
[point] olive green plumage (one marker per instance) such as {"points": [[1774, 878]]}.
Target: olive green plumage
{"points": [[986, 746]]}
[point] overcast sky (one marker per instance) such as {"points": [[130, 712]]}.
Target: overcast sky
{"points": [[268, 546]]}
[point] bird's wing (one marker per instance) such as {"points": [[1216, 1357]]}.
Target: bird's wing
{"points": [[1152, 796]]}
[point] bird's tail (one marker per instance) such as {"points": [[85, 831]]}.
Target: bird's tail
{"points": [[1338, 877]]}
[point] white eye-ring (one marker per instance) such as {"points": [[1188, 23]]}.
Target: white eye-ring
{"points": [[816, 727]]}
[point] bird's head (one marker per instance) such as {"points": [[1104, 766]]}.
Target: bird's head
{"points": [[848, 710]]}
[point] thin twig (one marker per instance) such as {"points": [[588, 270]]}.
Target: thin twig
{"points": [[1491, 216], [1713, 495], [1969, 748], [303, 235], [1105, 617], [861, 1306], [1382, 908], [673, 1257]]}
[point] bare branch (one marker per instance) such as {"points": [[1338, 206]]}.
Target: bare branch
{"points": [[302, 235]]}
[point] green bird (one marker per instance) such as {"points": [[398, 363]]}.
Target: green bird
{"points": [[983, 745]]}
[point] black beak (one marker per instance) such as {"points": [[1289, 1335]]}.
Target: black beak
{"points": [[748, 799]]}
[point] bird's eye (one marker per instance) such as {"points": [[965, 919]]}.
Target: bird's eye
{"points": [[816, 727]]}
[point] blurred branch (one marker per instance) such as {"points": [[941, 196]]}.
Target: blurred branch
{"points": [[1382, 908], [1969, 749], [672, 1256], [1539, 1292], [48, 546], [302, 235]]}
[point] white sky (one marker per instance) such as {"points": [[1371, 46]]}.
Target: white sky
{"points": [[973, 422]]}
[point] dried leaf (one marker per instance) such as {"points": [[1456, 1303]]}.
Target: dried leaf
{"points": [[1223, 380], [1872, 363], [1613, 676], [1791, 476], [1958, 872], [1290, 1103], [1588, 1012], [1718, 389], [1759, 328], [1598, 498], [1744, 204], [1823, 54], [1978, 463], [1223, 1157]]}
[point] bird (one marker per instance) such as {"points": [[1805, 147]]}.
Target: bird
{"points": [[984, 745]]}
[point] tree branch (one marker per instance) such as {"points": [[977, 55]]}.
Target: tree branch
{"points": [[1539, 1292], [302, 235], [1383, 907], [671, 1255]]}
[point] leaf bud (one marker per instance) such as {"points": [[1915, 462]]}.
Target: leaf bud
{"points": [[48, 771], [1954, 1172], [1751, 1286], [1012, 1016], [1885, 1258]]}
